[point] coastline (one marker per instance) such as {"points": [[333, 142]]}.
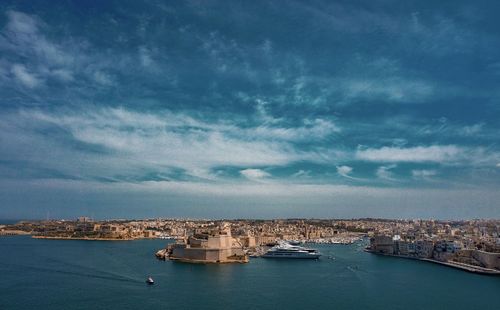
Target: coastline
{"points": [[13, 233], [83, 238], [456, 265], [209, 262]]}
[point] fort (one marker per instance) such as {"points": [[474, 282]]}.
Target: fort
{"points": [[209, 246]]}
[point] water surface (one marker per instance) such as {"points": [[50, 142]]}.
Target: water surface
{"points": [[62, 274]]}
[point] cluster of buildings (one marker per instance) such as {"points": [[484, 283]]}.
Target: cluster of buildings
{"points": [[473, 245], [248, 232], [462, 243], [400, 237], [86, 228]]}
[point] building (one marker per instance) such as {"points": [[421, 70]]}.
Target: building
{"points": [[424, 248], [216, 246], [382, 244]]}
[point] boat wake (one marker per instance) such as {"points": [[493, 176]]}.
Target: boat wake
{"points": [[99, 272], [102, 275]]}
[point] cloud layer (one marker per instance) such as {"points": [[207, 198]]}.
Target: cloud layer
{"points": [[224, 102]]}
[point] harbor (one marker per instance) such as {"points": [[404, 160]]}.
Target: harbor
{"points": [[352, 279], [472, 246]]}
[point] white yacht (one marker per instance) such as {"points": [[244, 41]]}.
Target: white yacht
{"points": [[286, 250]]}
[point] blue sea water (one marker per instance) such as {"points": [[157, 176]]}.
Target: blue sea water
{"points": [[62, 274]]}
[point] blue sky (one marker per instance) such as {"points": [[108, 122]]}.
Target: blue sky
{"points": [[241, 109]]}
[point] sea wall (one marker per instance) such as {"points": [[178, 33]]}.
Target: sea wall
{"points": [[489, 260]]}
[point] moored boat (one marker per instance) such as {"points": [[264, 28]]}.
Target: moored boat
{"points": [[286, 250]]}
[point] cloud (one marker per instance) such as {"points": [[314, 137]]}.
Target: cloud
{"points": [[61, 57], [344, 171], [43, 59], [145, 56], [255, 199], [384, 172], [19, 22], [434, 153], [423, 174], [441, 35], [471, 130], [302, 174], [254, 174], [24, 38], [442, 154], [62, 74], [103, 78], [392, 89], [311, 129], [116, 142], [26, 78]]}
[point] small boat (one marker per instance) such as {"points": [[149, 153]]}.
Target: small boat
{"points": [[150, 281]]}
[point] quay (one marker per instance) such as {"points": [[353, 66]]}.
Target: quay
{"points": [[456, 265], [13, 232], [81, 238]]}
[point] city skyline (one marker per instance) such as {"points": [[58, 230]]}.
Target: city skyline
{"points": [[238, 110]]}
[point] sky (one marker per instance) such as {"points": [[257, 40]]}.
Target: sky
{"points": [[249, 109]]}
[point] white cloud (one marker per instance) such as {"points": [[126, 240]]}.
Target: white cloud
{"points": [[344, 171], [308, 200], [423, 174], [443, 154], [311, 130], [21, 23], [254, 174], [302, 174], [471, 130], [24, 38], [26, 78], [133, 142], [384, 172], [61, 58], [62, 74], [434, 153], [393, 89]]}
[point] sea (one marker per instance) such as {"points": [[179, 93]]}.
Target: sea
{"points": [[71, 274]]}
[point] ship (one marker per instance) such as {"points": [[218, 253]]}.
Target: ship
{"points": [[286, 250]]}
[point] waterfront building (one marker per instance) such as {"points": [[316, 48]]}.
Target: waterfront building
{"points": [[382, 244], [213, 246], [424, 248]]}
